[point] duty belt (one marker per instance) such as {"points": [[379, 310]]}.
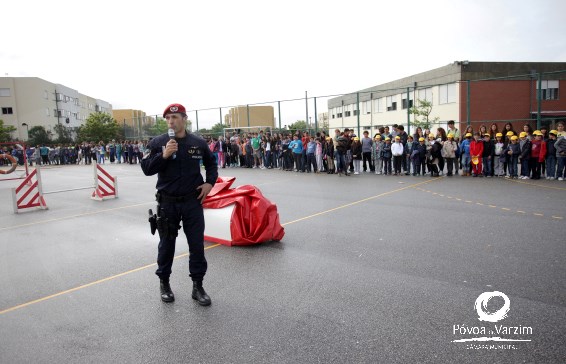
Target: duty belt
{"points": [[161, 197]]}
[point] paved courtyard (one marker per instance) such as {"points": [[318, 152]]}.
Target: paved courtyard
{"points": [[372, 269]]}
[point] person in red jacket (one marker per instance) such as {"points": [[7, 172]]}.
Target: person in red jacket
{"points": [[538, 154], [476, 152]]}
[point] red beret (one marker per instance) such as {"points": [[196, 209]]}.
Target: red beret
{"points": [[174, 108]]}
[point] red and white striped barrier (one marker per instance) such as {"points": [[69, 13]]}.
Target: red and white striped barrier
{"points": [[29, 193], [105, 185]]}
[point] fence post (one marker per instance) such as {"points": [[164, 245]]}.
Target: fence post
{"points": [[539, 99], [358, 107], [196, 117], [468, 103], [408, 112], [279, 112], [307, 110], [315, 118], [248, 111], [221, 122]]}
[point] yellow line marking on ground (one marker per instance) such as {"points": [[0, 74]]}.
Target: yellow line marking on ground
{"points": [[537, 214], [360, 201], [505, 208], [91, 284], [492, 206], [557, 217], [10, 309], [479, 203], [537, 185], [440, 195], [74, 216], [459, 199], [450, 197], [468, 201], [521, 212]]}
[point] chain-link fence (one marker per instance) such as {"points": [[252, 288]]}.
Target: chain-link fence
{"points": [[490, 103]]}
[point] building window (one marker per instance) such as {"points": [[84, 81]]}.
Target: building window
{"points": [[447, 93], [47, 111], [549, 89], [380, 104], [355, 112], [391, 105], [347, 113], [425, 94], [7, 111], [5, 92], [404, 103], [367, 107]]}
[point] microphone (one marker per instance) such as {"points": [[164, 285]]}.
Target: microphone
{"points": [[171, 133]]}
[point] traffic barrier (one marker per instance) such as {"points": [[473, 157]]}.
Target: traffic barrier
{"points": [[105, 185], [29, 193]]}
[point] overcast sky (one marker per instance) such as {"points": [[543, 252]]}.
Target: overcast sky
{"points": [[148, 54]]}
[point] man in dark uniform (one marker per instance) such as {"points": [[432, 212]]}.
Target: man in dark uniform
{"points": [[180, 193]]}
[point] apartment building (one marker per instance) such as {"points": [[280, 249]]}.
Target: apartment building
{"points": [[36, 102]]}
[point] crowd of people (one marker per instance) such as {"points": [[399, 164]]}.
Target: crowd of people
{"points": [[487, 152], [84, 153]]}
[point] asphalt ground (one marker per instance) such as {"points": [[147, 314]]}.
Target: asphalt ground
{"points": [[372, 269]]}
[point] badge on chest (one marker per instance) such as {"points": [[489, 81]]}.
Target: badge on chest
{"points": [[195, 153]]}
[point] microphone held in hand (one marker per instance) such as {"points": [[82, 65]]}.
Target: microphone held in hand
{"points": [[171, 133]]}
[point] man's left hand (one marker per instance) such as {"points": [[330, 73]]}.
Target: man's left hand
{"points": [[204, 191]]}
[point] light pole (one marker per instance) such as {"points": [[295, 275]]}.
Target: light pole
{"points": [[27, 130]]}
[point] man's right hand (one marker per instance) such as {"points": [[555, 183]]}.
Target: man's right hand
{"points": [[170, 148]]}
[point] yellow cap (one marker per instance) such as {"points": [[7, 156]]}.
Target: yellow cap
{"points": [[486, 135], [387, 138], [468, 135], [328, 138], [378, 136], [397, 137], [499, 135], [357, 139], [537, 132], [430, 136], [421, 139], [514, 137], [555, 132], [450, 136], [523, 134], [509, 133]]}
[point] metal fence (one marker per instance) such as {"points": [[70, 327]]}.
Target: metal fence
{"points": [[522, 99]]}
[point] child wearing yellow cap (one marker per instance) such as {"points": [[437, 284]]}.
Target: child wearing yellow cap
{"points": [[376, 153], [386, 156], [499, 155], [513, 151]]}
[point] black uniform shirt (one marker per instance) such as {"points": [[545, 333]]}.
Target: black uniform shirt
{"points": [[182, 175]]}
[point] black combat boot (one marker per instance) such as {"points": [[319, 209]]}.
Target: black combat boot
{"points": [[166, 293], [199, 294]]}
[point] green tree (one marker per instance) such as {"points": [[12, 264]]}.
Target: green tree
{"points": [[63, 134], [158, 128], [298, 125], [5, 131], [99, 126], [422, 113], [217, 129], [38, 135]]}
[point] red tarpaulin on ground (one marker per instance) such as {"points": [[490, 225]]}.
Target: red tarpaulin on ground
{"points": [[254, 218]]}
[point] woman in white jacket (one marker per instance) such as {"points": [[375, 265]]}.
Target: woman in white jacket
{"points": [[397, 151]]}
